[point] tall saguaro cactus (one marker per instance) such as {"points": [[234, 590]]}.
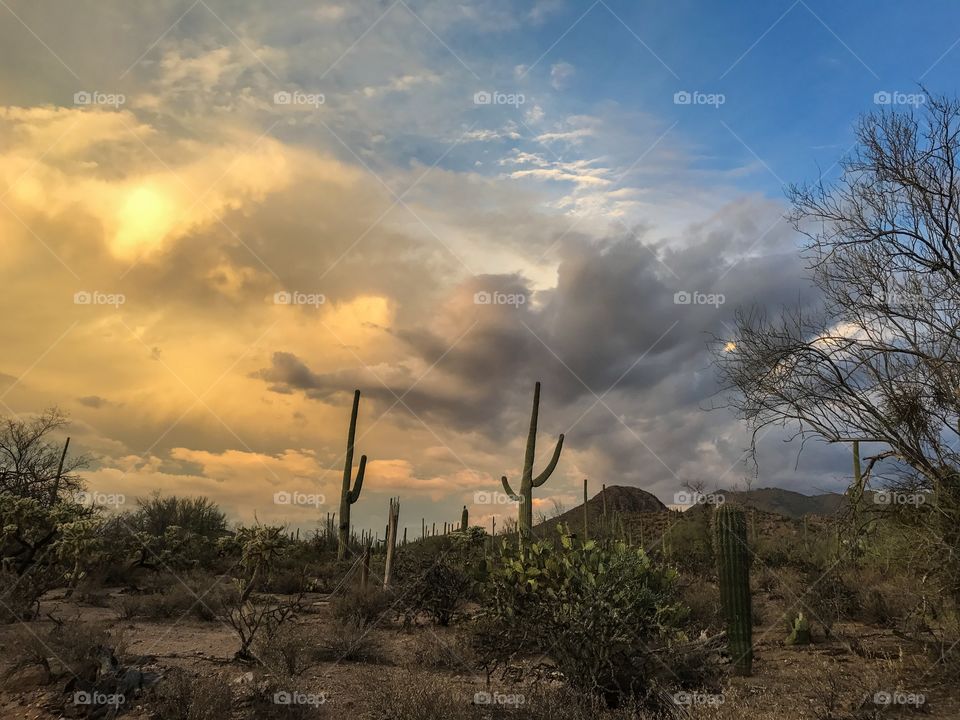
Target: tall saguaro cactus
{"points": [[586, 516], [733, 568], [391, 540], [527, 481], [464, 519], [348, 496]]}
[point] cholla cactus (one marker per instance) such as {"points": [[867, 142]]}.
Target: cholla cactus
{"points": [[348, 496], [733, 568], [527, 481]]}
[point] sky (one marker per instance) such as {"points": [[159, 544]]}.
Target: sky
{"points": [[219, 218]]}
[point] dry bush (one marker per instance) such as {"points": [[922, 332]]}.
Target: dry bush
{"points": [[703, 600], [181, 696], [284, 649], [70, 644], [275, 699], [348, 641], [449, 652], [363, 607], [423, 696], [196, 596]]}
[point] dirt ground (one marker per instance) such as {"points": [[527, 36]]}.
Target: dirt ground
{"points": [[829, 679]]}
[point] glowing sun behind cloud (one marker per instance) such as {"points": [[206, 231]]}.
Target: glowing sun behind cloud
{"points": [[143, 221]]}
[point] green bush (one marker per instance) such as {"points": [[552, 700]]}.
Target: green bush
{"points": [[363, 607], [598, 610]]}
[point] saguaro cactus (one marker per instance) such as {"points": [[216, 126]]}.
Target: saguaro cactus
{"points": [[527, 481], [348, 496], [733, 568], [391, 540], [464, 519], [586, 517]]}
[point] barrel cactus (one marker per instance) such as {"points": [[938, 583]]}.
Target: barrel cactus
{"points": [[733, 569]]}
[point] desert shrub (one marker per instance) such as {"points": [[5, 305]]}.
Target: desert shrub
{"points": [[702, 599], [286, 581], [284, 649], [195, 595], [363, 607], [348, 641], [181, 696], [282, 699], [602, 612], [433, 585], [424, 696], [448, 652], [20, 595], [260, 548]]}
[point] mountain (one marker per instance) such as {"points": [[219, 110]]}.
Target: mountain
{"points": [[627, 501], [787, 502]]}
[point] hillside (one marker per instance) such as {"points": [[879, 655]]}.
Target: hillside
{"points": [[787, 502]]}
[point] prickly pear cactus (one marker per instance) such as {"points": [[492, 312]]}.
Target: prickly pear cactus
{"points": [[733, 569]]}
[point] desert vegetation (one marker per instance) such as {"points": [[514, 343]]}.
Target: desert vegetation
{"points": [[745, 603]]}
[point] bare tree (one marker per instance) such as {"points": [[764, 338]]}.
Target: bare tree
{"points": [[31, 464], [879, 359]]}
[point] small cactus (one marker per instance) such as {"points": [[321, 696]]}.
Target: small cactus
{"points": [[527, 481], [733, 569], [799, 631], [348, 496]]}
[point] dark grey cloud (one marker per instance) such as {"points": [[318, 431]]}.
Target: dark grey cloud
{"points": [[611, 328]]}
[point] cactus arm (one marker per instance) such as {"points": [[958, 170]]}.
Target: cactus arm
{"points": [[354, 494], [507, 489], [548, 470]]}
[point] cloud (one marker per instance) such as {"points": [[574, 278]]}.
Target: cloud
{"points": [[560, 74]]}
